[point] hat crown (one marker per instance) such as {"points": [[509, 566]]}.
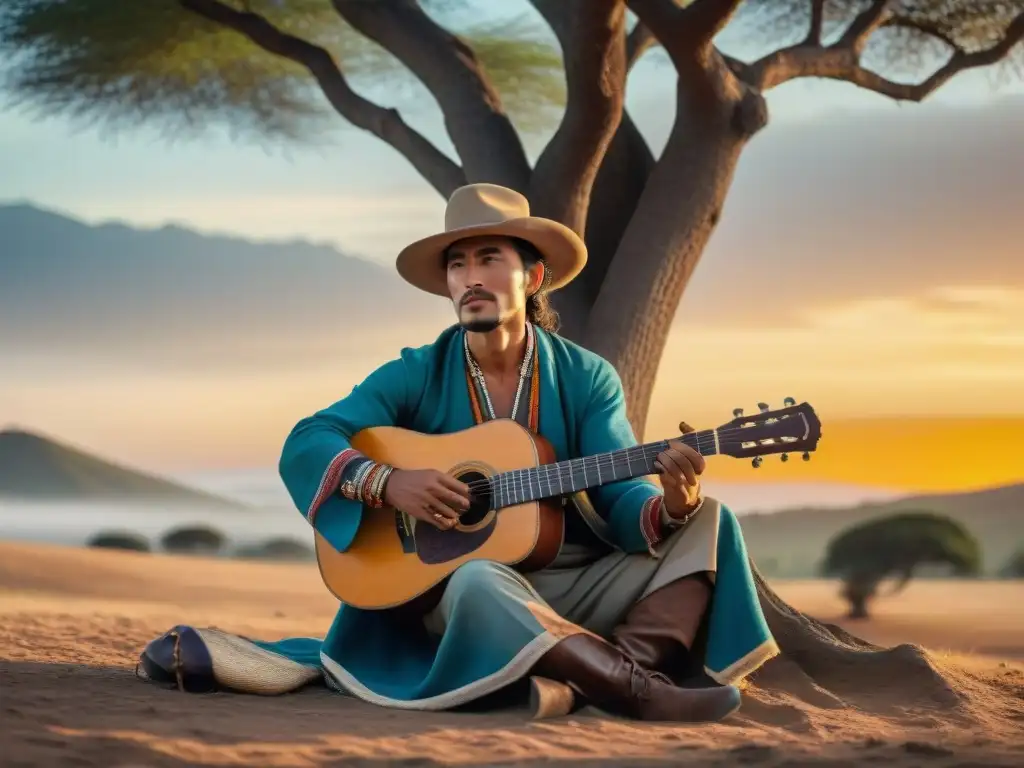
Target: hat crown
{"points": [[481, 204]]}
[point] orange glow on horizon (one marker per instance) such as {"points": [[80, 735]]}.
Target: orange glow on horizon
{"points": [[912, 454]]}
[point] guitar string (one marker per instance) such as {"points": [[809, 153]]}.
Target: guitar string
{"points": [[507, 481], [610, 457], [600, 461], [516, 482]]}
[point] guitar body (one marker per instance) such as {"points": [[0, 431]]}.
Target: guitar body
{"points": [[395, 559]]}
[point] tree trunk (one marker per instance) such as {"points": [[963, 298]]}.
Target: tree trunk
{"points": [[858, 607], [672, 224], [620, 182], [825, 666], [646, 230]]}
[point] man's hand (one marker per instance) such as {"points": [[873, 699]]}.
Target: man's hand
{"points": [[427, 495], [680, 468]]}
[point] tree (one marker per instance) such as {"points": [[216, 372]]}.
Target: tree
{"points": [[193, 539], [895, 546], [279, 548], [127, 540], [279, 68]]}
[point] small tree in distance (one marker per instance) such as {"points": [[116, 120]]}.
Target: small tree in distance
{"points": [[193, 540], [893, 547], [127, 540], [280, 548]]}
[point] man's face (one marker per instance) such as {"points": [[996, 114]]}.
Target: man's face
{"points": [[488, 282]]}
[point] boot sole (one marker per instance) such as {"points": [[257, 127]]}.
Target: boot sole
{"points": [[710, 716]]}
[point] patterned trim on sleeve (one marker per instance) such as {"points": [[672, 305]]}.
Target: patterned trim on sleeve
{"points": [[330, 480]]}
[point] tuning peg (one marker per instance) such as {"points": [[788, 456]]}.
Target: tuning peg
{"points": [[788, 402], [757, 462], [737, 412], [784, 457], [763, 407], [807, 456]]}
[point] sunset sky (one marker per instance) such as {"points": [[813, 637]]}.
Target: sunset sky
{"points": [[902, 296]]}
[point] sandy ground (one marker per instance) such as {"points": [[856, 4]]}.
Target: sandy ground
{"points": [[73, 621]]}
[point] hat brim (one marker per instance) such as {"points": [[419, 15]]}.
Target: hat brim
{"points": [[564, 252]]}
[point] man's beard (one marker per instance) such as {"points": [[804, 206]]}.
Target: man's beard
{"points": [[480, 325]]}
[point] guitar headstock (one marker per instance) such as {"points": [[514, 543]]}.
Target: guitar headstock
{"points": [[791, 429]]}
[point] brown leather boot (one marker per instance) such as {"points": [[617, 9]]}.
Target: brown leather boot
{"points": [[659, 631], [610, 680]]}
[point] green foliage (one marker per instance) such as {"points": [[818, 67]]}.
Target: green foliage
{"points": [[153, 62], [125, 64], [915, 29], [193, 539], [897, 544], [867, 554], [282, 549], [126, 540]]}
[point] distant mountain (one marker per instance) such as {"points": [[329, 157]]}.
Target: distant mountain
{"points": [[790, 542], [38, 468], [70, 286]]}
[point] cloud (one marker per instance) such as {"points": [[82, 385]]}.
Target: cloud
{"points": [[950, 349], [885, 203], [944, 315]]}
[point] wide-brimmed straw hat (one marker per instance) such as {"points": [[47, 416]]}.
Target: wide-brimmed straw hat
{"points": [[479, 210]]}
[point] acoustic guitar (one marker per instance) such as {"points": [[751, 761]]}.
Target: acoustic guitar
{"points": [[517, 495]]}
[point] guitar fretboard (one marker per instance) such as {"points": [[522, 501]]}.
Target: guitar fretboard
{"points": [[564, 477]]}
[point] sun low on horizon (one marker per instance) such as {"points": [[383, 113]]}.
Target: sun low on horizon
{"points": [[902, 454]]}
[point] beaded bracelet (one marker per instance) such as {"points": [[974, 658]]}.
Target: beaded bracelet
{"points": [[368, 483]]}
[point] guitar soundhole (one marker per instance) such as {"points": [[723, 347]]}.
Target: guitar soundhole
{"points": [[434, 546], [479, 501]]}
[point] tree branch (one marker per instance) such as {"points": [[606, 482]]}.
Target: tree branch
{"points": [[817, 23], [685, 33], [592, 34], [843, 63], [704, 19], [863, 26], [482, 133], [436, 167], [930, 31], [638, 42]]}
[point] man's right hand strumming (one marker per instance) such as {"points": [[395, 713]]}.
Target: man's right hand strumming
{"points": [[427, 495]]}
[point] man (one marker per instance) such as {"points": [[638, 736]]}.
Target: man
{"points": [[623, 619]]}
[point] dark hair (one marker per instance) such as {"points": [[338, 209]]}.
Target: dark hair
{"points": [[538, 305]]}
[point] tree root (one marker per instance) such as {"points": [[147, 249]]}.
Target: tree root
{"points": [[825, 666]]}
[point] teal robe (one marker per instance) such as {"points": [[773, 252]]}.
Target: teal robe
{"points": [[495, 628], [582, 412]]}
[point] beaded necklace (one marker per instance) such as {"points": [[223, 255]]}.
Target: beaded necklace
{"points": [[524, 370]]}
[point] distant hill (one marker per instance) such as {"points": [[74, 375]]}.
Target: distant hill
{"points": [[790, 542], [70, 287], [39, 468]]}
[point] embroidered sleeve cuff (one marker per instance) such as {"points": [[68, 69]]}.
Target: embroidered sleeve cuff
{"points": [[651, 521], [331, 480]]}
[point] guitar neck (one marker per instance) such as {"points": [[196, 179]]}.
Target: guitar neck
{"points": [[565, 477]]}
